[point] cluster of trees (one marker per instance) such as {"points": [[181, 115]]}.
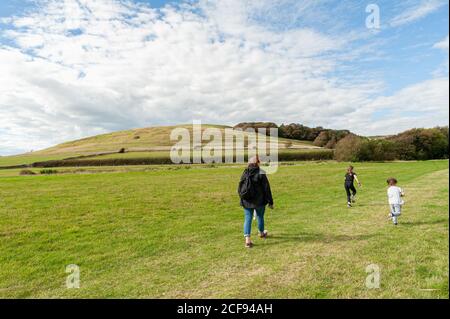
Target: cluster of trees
{"points": [[256, 126], [318, 135], [355, 149], [299, 132], [415, 144], [329, 138], [422, 144]]}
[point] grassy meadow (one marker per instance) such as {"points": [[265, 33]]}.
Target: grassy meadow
{"points": [[176, 232]]}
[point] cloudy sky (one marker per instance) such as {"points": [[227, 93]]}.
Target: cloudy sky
{"points": [[74, 68]]}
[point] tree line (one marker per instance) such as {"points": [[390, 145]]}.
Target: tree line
{"points": [[320, 136], [413, 144]]}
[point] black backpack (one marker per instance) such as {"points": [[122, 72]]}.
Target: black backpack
{"points": [[246, 188]]}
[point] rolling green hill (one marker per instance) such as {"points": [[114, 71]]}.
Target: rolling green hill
{"points": [[136, 143], [143, 139]]}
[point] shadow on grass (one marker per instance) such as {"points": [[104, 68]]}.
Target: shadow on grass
{"points": [[321, 238], [419, 223], [373, 204]]}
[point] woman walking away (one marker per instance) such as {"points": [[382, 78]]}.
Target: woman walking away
{"points": [[254, 191], [349, 187]]}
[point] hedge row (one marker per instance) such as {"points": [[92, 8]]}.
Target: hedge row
{"points": [[283, 156], [319, 155]]}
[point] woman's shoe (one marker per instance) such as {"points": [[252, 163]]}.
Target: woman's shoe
{"points": [[249, 245], [264, 234]]}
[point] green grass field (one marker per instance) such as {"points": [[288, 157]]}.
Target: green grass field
{"points": [[173, 233]]}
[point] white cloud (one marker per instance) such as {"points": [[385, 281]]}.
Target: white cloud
{"points": [[419, 11], [443, 44], [442, 70], [92, 66]]}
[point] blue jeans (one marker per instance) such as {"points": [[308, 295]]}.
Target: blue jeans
{"points": [[248, 213], [396, 210]]}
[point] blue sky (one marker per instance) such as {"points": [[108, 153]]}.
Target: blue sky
{"points": [[142, 63], [11, 7]]}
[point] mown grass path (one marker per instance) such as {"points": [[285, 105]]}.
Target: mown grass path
{"points": [[178, 233]]}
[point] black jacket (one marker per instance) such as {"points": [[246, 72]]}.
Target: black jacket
{"points": [[262, 186]]}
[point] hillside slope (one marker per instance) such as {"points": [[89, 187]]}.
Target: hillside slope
{"points": [[137, 143], [143, 139]]}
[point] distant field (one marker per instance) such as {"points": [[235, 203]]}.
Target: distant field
{"points": [[177, 232], [27, 159], [113, 169], [167, 154]]}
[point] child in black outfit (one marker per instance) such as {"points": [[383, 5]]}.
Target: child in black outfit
{"points": [[349, 187]]}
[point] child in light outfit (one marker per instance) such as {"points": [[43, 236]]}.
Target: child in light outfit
{"points": [[395, 199]]}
